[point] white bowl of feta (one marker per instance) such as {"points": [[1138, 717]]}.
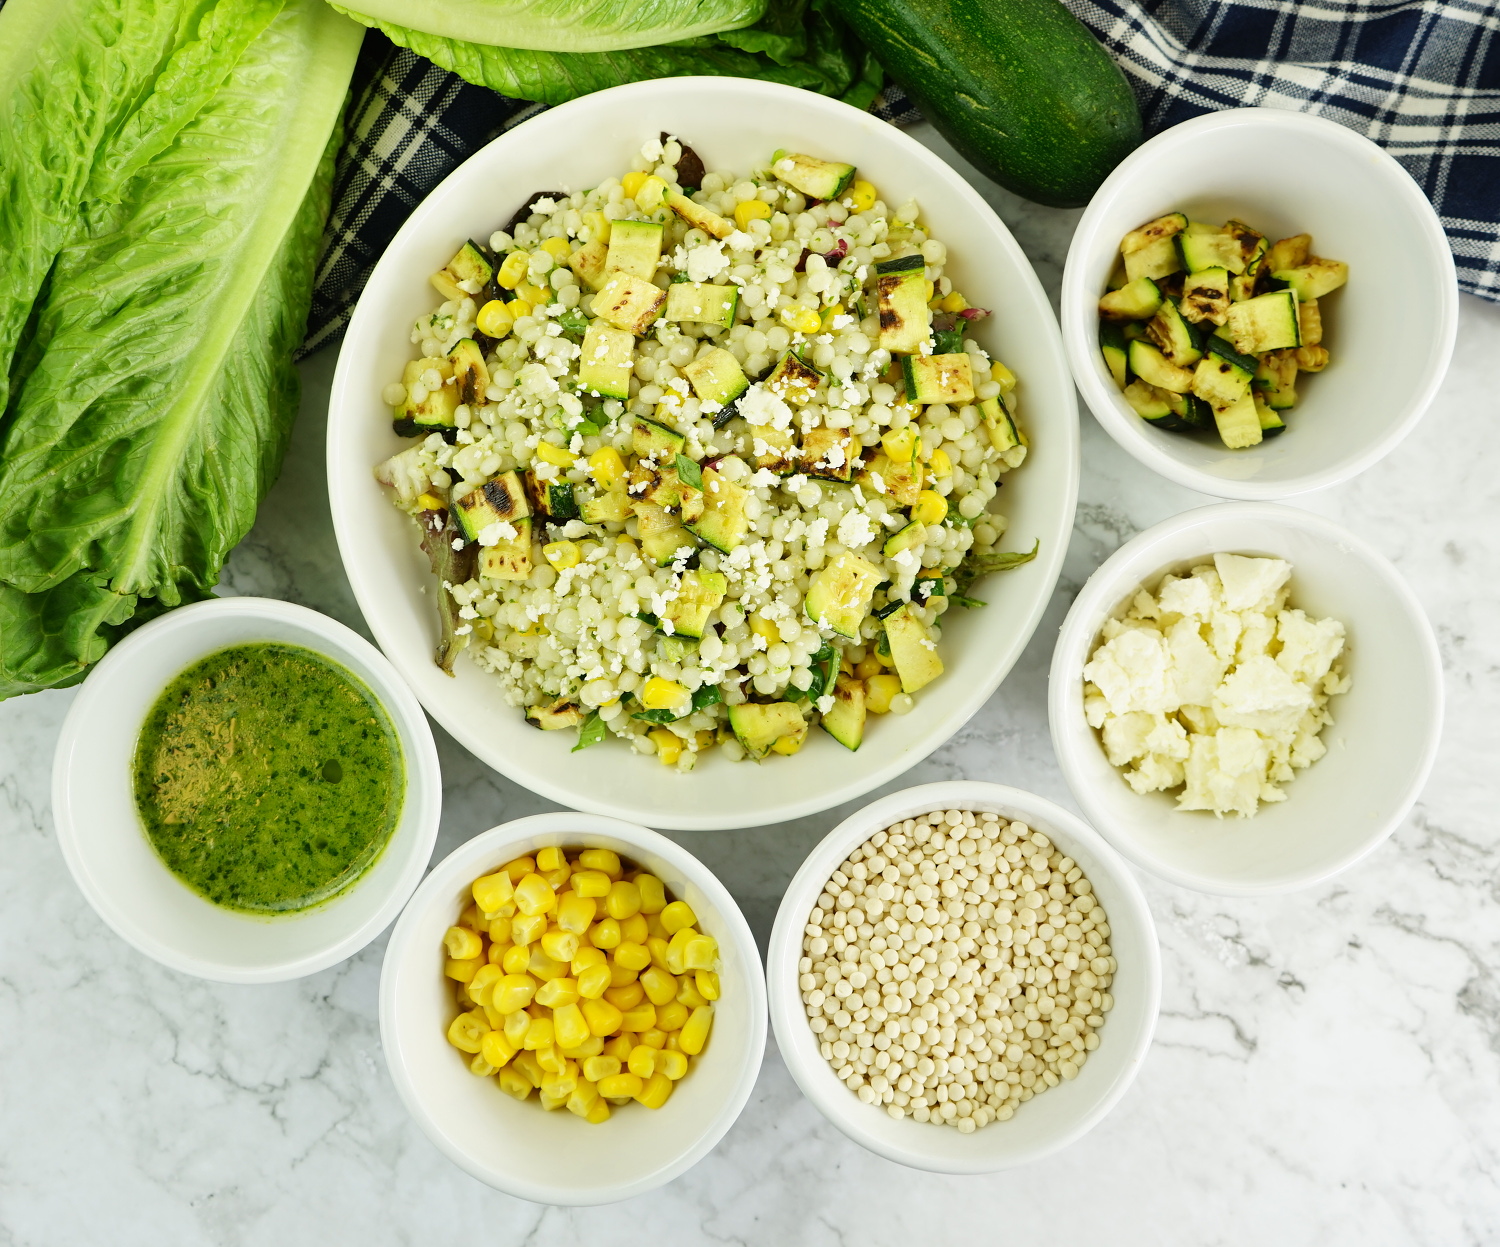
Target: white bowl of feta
{"points": [[731, 123], [1375, 754]]}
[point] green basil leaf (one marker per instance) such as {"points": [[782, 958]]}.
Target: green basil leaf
{"points": [[707, 695], [977, 565], [958, 599], [688, 472], [656, 716], [590, 732]]}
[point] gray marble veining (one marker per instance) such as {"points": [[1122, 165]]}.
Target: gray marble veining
{"points": [[1327, 1068]]}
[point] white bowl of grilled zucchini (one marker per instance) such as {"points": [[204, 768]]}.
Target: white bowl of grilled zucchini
{"points": [[709, 437], [1258, 303]]}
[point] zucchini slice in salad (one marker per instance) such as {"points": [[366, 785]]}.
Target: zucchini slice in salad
{"points": [[699, 594], [1113, 347], [724, 521], [510, 557], [589, 264], [759, 725], [650, 439], [716, 377], [470, 376], [1154, 368], [606, 361], [1201, 250], [1314, 279], [434, 413], [828, 454], [794, 380], [1239, 422], [938, 378], [845, 719], [1155, 260], [817, 179], [1271, 422], [1276, 379], [1177, 339], [1266, 323], [1205, 296], [912, 649], [628, 303], [839, 596], [699, 217], [634, 248], [1223, 376], [697, 302], [1153, 232], [1136, 300], [501, 500], [905, 318]]}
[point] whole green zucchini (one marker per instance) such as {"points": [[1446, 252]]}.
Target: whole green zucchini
{"points": [[1019, 87]]}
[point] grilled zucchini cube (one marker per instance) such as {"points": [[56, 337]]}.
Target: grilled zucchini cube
{"points": [[1156, 406], [839, 595], [606, 361], [1266, 323], [1155, 260], [1136, 300], [1210, 250], [699, 217], [913, 651], [845, 719], [1276, 379], [828, 454], [773, 448], [1271, 423], [634, 248], [905, 318], [759, 725], [435, 412], [1205, 296], [699, 594], [1223, 375], [817, 179], [510, 557], [700, 302], [470, 376], [716, 376], [999, 425], [470, 265], [652, 440], [501, 500], [1238, 422], [628, 302], [723, 523], [1151, 366], [1112, 346], [1315, 278], [913, 535], [589, 264], [900, 481], [1287, 253], [662, 537], [560, 714], [1153, 232], [611, 506], [793, 380], [1171, 332], [938, 378]]}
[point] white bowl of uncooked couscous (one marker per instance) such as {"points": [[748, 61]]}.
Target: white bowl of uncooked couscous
{"points": [[963, 977], [690, 500]]}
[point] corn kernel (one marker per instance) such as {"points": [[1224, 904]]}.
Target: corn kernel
{"points": [[659, 694], [462, 969], [668, 745], [467, 1031], [515, 1027], [622, 1086], [620, 975], [643, 1061], [653, 1038], [495, 319], [603, 1018], [653, 893], [640, 1018], [540, 966], [563, 458], [593, 981], [532, 295], [591, 884], [429, 502], [513, 992], [880, 690], [499, 928], [929, 290], [952, 302], [559, 1086], [539, 1034], [607, 467], [673, 1064], [526, 929], [632, 956], [462, 943], [586, 956], [930, 508], [487, 976], [569, 1024], [514, 1083], [1003, 376], [519, 868], [707, 983], [657, 945], [656, 1092], [830, 314], [605, 933], [534, 895], [634, 929], [606, 860], [801, 319], [497, 950], [751, 210], [520, 308], [860, 197], [557, 248], [602, 1066], [575, 914], [660, 986], [867, 666], [677, 916], [555, 993], [550, 1060], [592, 1046], [651, 193], [481, 1067], [672, 1017], [788, 745], [598, 1112], [585, 1096], [701, 953], [552, 1103], [557, 879], [517, 958], [513, 269], [562, 945], [632, 182], [619, 1047], [550, 858], [496, 1049], [626, 996], [623, 901], [689, 994], [598, 226], [695, 1030], [527, 1064], [677, 950]]}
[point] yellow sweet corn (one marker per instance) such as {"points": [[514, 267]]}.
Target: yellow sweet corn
{"points": [[598, 226], [867, 666], [534, 895], [586, 956], [651, 193], [674, 1064], [952, 302], [689, 995], [592, 1046], [602, 1066], [516, 1025], [462, 969], [619, 1047], [513, 269], [632, 956], [575, 913], [526, 1063], [499, 929], [513, 992], [462, 943], [764, 628], [497, 950], [555, 993], [557, 879], [659, 694], [621, 1086], [657, 946], [931, 507], [788, 745], [495, 319], [940, 465], [640, 1018], [481, 1067], [519, 868], [860, 197], [550, 1060], [656, 1092], [539, 1034], [598, 1111], [563, 458], [659, 985], [545, 968], [496, 1049], [677, 950], [653, 1038], [672, 1017], [880, 690], [695, 1030], [800, 319], [603, 1018], [605, 860], [558, 248], [594, 981], [607, 467], [653, 893], [623, 901], [643, 1061], [626, 996], [569, 1024], [751, 210], [559, 1087], [677, 916], [550, 858], [467, 1031], [591, 884], [632, 182], [520, 308], [525, 929], [561, 945], [514, 1083], [1003, 376], [707, 983], [830, 314], [585, 1096], [429, 502], [487, 976], [668, 745], [517, 958], [532, 295], [929, 289], [605, 934]]}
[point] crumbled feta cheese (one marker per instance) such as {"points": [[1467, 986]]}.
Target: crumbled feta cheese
{"points": [[494, 534], [706, 261], [758, 405], [856, 531]]}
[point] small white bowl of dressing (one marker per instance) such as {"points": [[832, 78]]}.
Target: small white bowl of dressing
{"points": [[114, 863]]}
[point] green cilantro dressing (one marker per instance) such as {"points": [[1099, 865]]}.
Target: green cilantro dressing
{"points": [[268, 777]]}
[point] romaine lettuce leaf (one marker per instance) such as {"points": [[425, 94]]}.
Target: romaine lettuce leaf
{"points": [[158, 390], [813, 51], [566, 25]]}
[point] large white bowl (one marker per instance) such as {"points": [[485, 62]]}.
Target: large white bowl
{"points": [[732, 122], [556, 1158], [111, 857], [1381, 744], [1042, 1125], [1390, 330]]}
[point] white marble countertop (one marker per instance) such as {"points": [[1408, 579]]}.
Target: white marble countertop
{"points": [[1326, 1070]]}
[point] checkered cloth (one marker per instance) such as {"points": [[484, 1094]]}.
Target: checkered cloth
{"points": [[1419, 77]]}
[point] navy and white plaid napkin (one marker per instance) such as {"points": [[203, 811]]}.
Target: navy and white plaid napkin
{"points": [[1419, 77]]}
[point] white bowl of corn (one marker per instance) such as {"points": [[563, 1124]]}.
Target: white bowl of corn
{"points": [[572, 1009]]}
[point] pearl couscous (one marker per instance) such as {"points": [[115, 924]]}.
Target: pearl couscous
{"points": [[705, 466], [955, 966]]}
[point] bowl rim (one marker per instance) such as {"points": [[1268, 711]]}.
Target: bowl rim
{"points": [[406, 715], [569, 825], [1102, 592], [815, 1078], [1080, 319], [967, 701]]}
